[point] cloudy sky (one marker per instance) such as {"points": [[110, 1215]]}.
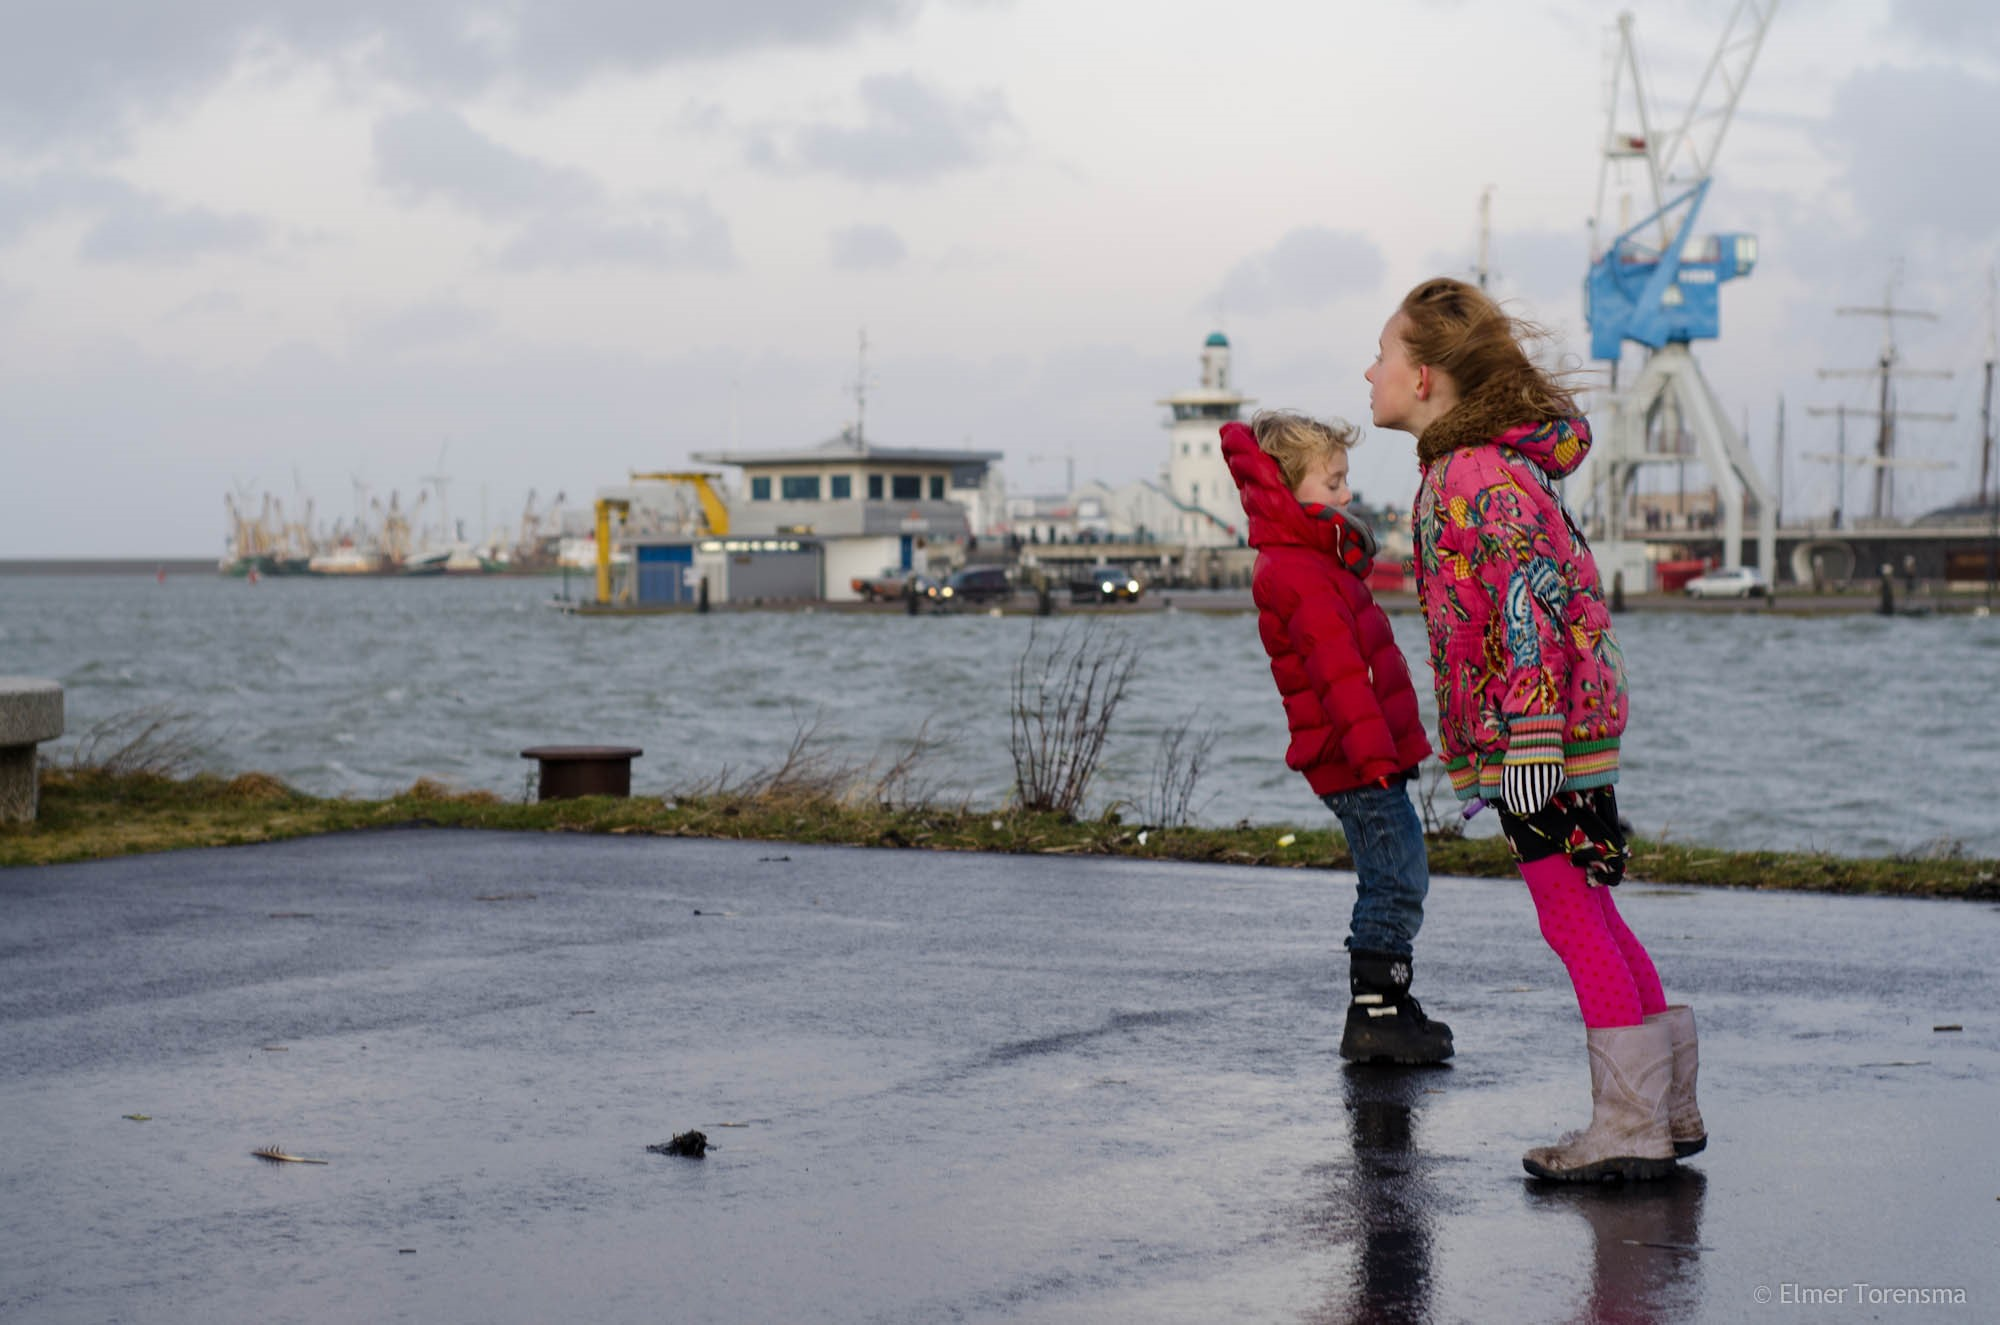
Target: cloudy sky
{"points": [[284, 245]]}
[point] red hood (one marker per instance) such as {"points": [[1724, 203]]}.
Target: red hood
{"points": [[1276, 517]]}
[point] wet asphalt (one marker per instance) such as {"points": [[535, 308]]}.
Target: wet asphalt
{"points": [[942, 1087]]}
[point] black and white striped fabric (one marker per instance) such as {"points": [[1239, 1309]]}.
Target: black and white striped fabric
{"points": [[1526, 788]]}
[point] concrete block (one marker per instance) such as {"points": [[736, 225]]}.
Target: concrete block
{"points": [[31, 711]]}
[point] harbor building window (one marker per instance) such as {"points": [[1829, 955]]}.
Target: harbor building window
{"points": [[841, 487], [937, 487], [800, 487], [874, 487], [1222, 412], [760, 489], [906, 487]]}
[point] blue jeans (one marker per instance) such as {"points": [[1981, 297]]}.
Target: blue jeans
{"points": [[1388, 847]]}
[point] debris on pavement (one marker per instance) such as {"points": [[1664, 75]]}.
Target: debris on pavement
{"points": [[691, 1144], [276, 1154]]}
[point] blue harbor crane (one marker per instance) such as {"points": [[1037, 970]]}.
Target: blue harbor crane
{"points": [[1657, 297], [1656, 285]]}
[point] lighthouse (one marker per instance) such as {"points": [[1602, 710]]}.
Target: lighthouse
{"points": [[1209, 512]]}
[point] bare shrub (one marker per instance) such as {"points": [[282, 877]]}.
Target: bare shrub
{"points": [[1938, 848], [149, 742], [808, 771], [1435, 824], [905, 785], [1178, 763], [1063, 703]]}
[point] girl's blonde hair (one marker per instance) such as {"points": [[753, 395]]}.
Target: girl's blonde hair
{"points": [[1454, 326], [1298, 442]]}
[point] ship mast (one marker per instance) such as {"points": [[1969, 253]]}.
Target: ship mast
{"points": [[1888, 367], [1991, 499], [1986, 404]]}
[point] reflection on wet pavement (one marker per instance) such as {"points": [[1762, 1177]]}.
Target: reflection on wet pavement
{"points": [[976, 1089], [1386, 1196], [1646, 1244]]}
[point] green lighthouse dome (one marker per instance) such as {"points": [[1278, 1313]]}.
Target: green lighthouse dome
{"points": [[1217, 338]]}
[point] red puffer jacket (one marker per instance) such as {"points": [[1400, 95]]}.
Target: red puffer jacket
{"points": [[1347, 692]]}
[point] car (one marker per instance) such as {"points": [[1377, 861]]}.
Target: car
{"points": [[1726, 582], [891, 585], [1104, 584], [976, 584]]}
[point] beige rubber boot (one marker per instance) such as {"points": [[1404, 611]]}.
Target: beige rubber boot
{"points": [[1683, 1115], [1631, 1070]]}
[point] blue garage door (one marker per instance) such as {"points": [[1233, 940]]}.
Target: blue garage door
{"points": [[663, 574]]}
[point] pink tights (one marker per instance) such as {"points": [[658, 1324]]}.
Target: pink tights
{"points": [[1616, 984]]}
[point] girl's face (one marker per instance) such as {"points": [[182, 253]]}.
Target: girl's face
{"points": [[1393, 381], [1325, 483]]}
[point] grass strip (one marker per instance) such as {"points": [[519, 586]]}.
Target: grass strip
{"points": [[93, 814]]}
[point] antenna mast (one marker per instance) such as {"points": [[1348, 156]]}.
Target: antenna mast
{"points": [[1484, 268], [861, 384]]}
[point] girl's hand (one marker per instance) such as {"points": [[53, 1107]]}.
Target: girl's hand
{"points": [[1526, 788]]}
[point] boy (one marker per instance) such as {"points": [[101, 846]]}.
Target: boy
{"points": [[1355, 733]]}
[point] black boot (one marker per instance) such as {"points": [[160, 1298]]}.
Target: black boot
{"points": [[1384, 1024]]}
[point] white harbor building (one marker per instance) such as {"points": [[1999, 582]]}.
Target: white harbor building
{"points": [[1193, 504], [1210, 514]]}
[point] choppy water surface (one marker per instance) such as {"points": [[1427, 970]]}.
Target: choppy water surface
{"points": [[1853, 734]]}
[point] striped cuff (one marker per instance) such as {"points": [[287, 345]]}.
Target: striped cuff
{"points": [[1537, 739], [1526, 788]]}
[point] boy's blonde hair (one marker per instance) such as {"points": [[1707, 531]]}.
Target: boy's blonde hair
{"points": [[1298, 442]]}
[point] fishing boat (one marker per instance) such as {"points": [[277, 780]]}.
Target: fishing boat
{"points": [[345, 558]]}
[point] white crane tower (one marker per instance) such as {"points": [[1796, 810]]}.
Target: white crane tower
{"points": [[1654, 285]]}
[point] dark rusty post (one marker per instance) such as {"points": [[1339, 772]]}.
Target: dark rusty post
{"points": [[583, 770]]}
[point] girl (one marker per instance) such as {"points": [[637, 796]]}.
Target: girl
{"points": [[1531, 695]]}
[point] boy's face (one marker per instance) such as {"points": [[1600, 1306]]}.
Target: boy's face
{"points": [[1325, 482]]}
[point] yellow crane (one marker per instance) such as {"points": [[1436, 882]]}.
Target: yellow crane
{"points": [[714, 517]]}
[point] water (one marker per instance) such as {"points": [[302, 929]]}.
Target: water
{"points": [[1859, 735]]}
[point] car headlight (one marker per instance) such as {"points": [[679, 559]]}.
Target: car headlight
{"points": [[945, 592], [1108, 586], [1131, 586]]}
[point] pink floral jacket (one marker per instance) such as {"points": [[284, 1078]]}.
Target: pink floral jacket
{"points": [[1522, 654]]}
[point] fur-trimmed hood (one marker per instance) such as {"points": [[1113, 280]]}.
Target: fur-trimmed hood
{"points": [[1495, 415]]}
